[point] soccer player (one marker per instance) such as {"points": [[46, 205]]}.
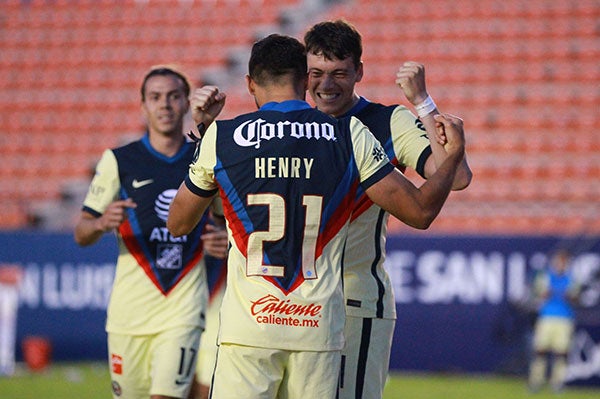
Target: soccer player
{"points": [[334, 50], [557, 292], [159, 295], [288, 175]]}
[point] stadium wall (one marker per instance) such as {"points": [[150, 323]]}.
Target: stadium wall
{"points": [[461, 300]]}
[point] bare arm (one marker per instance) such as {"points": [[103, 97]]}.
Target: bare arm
{"points": [[89, 228], [418, 207], [185, 211], [411, 79], [463, 176]]}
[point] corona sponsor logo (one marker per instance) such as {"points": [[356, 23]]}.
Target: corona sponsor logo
{"points": [[251, 133]]}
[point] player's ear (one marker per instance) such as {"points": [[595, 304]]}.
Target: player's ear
{"points": [[250, 85], [359, 72]]}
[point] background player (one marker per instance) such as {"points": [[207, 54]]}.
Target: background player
{"points": [[158, 300], [287, 175], [334, 50], [557, 292]]}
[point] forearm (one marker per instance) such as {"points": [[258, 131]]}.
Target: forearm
{"points": [[417, 207], [436, 189], [185, 211], [88, 230], [463, 174]]}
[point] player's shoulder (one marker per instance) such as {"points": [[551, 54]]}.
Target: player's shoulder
{"points": [[131, 146], [374, 108], [377, 113]]}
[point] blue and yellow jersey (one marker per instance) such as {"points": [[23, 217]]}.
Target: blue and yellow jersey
{"points": [[287, 176], [160, 280], [367, 285]]}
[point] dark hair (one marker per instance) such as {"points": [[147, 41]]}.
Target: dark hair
{"points": [[166, 70], [277, 56], [334, 40]]}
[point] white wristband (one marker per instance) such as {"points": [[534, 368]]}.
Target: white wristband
{"points": [[426, 107]]}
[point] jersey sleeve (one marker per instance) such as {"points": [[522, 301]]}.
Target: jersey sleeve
{"points": [[372, 162], [201, 176], [105, 185], [411, 144]]}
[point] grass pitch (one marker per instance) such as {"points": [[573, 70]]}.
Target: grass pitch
{"points": [[91, 381], [462, 386]]}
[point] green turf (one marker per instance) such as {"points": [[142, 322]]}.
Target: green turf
{"points": [[58, 381], [437, 386], [91, 381]]}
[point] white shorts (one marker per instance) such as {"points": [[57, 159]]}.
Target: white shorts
{"points": [[208, 348], [365, 357], [156, 364], [260, 373], [553, 334]]}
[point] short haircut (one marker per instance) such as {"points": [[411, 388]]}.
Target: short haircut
{"points": [[276, 57], [334, 40], [166, 70]]}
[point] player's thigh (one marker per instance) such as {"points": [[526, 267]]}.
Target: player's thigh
{"points": [[562, 331], [174, 355], [208, 345], [542, 335], [365, 357], [248, 372], [311, 374], [129, 360]]}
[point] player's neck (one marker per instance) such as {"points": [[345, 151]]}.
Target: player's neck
{"points": [[278, 94], [166, 144]]}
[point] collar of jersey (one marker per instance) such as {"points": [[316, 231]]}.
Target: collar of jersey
{"points": [[362, 102], [146, 142], [285, 106]]}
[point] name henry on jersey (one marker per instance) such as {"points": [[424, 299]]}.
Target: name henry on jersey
{"points": [[282, 167], [251, 133]]}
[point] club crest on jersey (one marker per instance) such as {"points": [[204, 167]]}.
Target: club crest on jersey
{"points": [[169, 256], [251, 133], [116, 388]]}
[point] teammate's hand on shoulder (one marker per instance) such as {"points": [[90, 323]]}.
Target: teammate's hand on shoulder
{"points": [[207, 103], [411, 79]]}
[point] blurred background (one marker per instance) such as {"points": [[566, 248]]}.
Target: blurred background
{"points": [[523, 74]]}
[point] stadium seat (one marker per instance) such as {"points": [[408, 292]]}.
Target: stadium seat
{"points": [[523, 75]]}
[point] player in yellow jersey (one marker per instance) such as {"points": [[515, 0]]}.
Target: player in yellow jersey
{"points": [[159, 295], [288, 176], [334, 50]]}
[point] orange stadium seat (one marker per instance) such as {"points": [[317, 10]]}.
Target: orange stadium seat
{"points": [[523, 75]]}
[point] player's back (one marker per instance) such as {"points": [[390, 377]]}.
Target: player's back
{"points": [[288, 177], [294, 164]]}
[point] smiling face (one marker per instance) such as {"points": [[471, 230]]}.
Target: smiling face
{"points": [[331, 83], [165, 104]]}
